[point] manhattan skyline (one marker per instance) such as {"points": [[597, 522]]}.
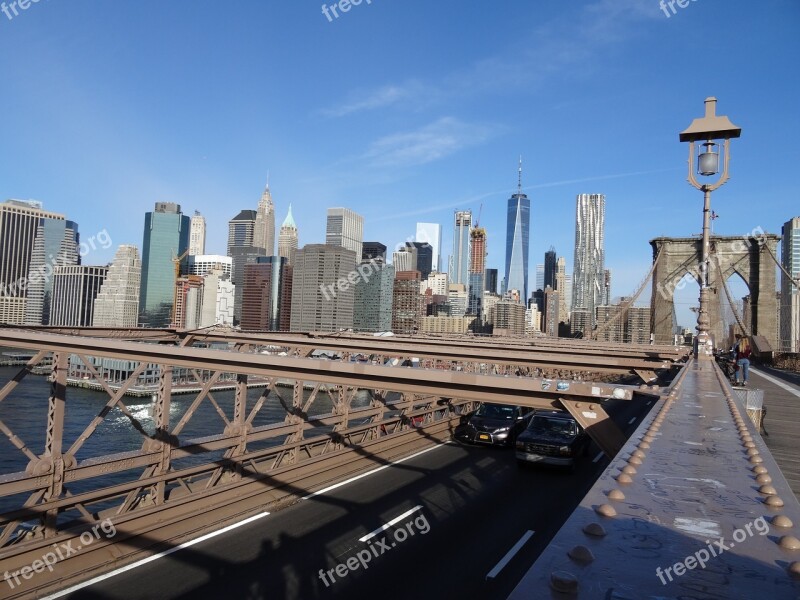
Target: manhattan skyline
{"points": [[399, 137]]}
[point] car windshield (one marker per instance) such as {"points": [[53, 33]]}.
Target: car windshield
{"points": [[496, 411], [553, 425]]}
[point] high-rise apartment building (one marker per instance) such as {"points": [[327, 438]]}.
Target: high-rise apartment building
{"points": [[166, 238], [75, 288], [117, 302], [197, 234], [552, 311], [589, 265], [457, 299], [436, 283], [405, 259], [320, 301], [264, 226], [477, 271], [539, 277], [56, 243], [789, 297], [20, 221], [431, 233], [267, 294], [345, 228], [507, 318], [564, 288], [373, 294], [606, 296], [241, 230], [632, 327], [462, 226], [407, 302], [517, 240], [373, 250], [240, 257], [288, 239]]}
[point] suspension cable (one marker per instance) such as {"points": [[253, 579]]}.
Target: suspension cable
{"points": [[736, 315]]}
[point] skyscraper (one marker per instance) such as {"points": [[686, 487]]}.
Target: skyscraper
{"points": [[197, 234], [423, 257], [19, 223], [491, 281], [405, 259], [345, 228], [267, 294], [431, 233], [264, 227], [166, 238], [241, 229], [407, 302], [288, 238], [790, 298], [539, 277], [203, 264], [459, 270], [477, 271], [56, 243], [117, 302], [372, 308], [517, 240], [550, 268], [75, 288], [564, 290], [589, 264], [318, 303], [370, 250]]}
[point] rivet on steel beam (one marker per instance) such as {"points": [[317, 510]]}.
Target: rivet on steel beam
{"points": [[635, 460], [767, 490], [789, 542], [763, 478], [643, 445], [616, 494], [624, 478], [638, 454], [564, 582], [747, 438], [794, 570], [748, 444], [782, 521], [629, 469], [752, 452], [759, 469], [606, 510], [581, 554], [594, 529], [773, 501], [756, 459]]}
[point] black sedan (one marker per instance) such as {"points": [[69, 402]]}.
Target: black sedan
{"points": [[493, 424]]}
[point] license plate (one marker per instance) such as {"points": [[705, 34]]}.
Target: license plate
{"points": [[483, 436]]}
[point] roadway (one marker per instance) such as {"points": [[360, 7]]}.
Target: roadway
{"points": [[475, 507]]}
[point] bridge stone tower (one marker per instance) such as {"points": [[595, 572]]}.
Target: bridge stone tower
{"points": [[745, 255]]}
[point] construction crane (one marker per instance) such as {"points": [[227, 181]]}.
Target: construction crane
{"points": [[478, 220]]}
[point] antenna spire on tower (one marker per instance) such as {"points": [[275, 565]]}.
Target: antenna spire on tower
{"points": [[519, 182]]}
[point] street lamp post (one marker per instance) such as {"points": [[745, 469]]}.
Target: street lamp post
{"points": [[707, 129]]}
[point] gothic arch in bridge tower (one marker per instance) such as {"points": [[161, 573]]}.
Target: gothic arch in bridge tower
{"points": [[745, 255]]}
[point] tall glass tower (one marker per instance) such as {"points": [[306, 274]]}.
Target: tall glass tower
{"points": [[517, 240], [166, 237], [588, 281], [461, 231]]}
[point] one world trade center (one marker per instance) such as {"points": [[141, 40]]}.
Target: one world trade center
{"points": [[517, 240]]}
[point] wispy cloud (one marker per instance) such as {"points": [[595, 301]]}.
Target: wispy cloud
{"points": [[567, 44], [472, 200], [427, 144], [384, 96]]}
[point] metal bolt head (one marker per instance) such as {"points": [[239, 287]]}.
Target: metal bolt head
{"points": [[581, 554], [564, 582]]}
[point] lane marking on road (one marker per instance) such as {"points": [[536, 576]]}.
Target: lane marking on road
{"points": [[632, 420], [509, 555], [776, 381], [390, 524], [368, 473], [598, 457], [144, 561]]}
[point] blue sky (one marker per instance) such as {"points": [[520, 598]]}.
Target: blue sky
{"points": [[403, 110]]}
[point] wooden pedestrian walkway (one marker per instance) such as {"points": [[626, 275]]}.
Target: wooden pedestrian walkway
{"points": [[782, 423]]}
